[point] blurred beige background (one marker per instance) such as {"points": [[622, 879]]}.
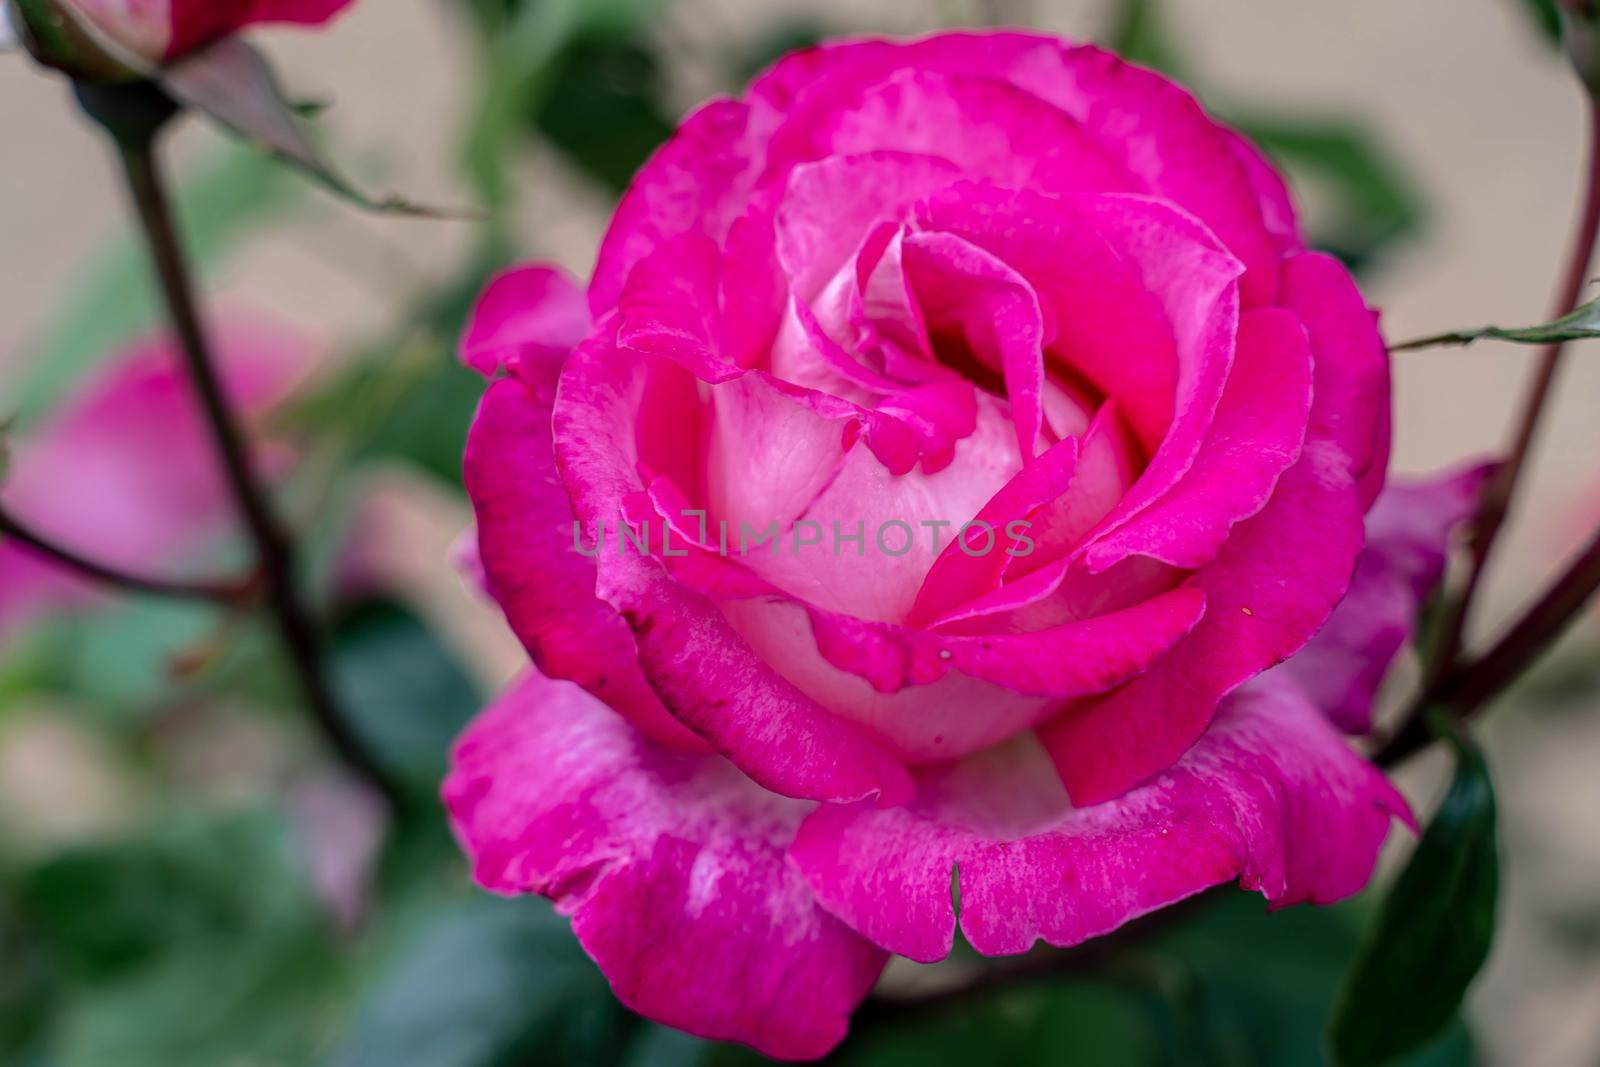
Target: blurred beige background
{"points": [[1461, 91]]}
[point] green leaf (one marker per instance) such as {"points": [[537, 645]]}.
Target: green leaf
{"points": [[223, 1005], [1254, 986], [198, 943], [106, 910], [120, 658], [235, 192], [487, 982], [406, 695], [1579, 325], [1433, 930]]}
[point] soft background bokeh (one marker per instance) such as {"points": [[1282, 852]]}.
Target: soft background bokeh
{"points": [[149, 953]]}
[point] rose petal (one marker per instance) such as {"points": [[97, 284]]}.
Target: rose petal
{"points": [[1257, 433], [533, 313], [1408, 539], [1352, 383], [1272, 586], [1270, 796], [545, 586], [672, 868]]}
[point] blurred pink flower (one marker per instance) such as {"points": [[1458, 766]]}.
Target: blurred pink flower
{"points": [[125, 472]]}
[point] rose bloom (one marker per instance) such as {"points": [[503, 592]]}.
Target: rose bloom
{"points": [[1001, 277], [164, 30], [125, 472]]}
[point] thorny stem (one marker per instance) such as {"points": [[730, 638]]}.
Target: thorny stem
{"points": [[135, 123], [19, 533]]}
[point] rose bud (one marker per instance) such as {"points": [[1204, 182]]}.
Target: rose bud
{"points": [[1064, 441], [110, 40]]}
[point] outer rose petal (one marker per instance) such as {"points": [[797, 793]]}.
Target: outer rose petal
{"points": [[699, 182], [1352, 385], [544, 586], [1408, 534], [125, 471], [672, 868], [534, 313], [1270, 796], [1147, 124]]}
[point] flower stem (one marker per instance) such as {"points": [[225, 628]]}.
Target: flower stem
{"points": [[1469, 688], [1495, 503], [225, 593], [136, 140]]}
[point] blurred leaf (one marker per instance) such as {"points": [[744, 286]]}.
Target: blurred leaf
{"points": [[120, 657], [1374, 203], [488, 982], [1139, 35], [1433, 930], [1256, 987], [7, 425], [235, 193], [1545, 16], [1092, 1024], [105, 910], [428, 420], [199, 944], [1579, 325], [523, 49], [23, 988], [601, 109], [232, 83], [407, 396], [406, 695], [262, 1002]]}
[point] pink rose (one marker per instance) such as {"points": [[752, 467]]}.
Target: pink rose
{"points": [[999, 282], [125, 472], [163, 30]]}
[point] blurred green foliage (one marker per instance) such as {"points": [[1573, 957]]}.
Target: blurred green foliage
{"points": [[1433, 930], [406, 696]]}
